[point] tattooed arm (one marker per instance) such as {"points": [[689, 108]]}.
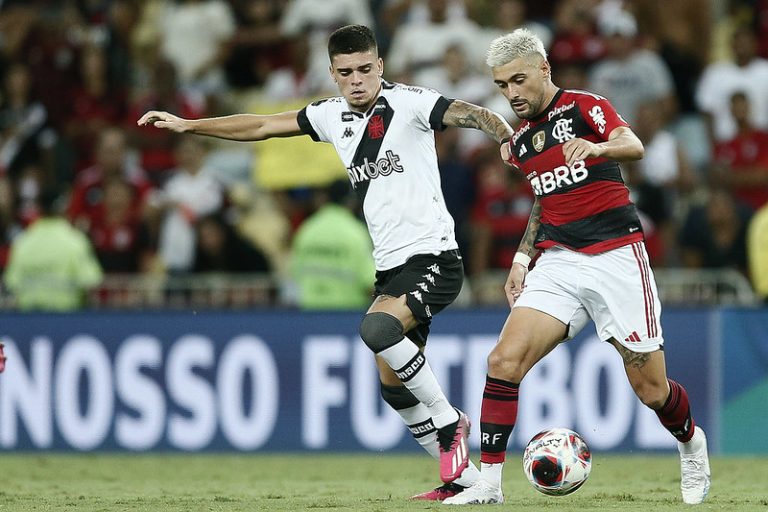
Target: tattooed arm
{"points": [[466, 115], [525, 252], [529, 237]]}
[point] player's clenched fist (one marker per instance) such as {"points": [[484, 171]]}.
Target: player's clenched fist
{"points": [[507, 155], [165, 120]]}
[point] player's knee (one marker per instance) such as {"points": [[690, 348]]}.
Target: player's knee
{"points": [[506, 365], [398, 397], [380, 331], [653, 396]]}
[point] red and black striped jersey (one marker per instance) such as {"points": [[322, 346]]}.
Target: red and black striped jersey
{"points": [[585, 207]]}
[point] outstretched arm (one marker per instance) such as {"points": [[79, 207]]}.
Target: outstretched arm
{"points": [[240, 127], [466, 115]]}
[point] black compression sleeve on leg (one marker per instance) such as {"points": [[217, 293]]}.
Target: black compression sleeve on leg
{"points": [[380, 331], [398, 397]]}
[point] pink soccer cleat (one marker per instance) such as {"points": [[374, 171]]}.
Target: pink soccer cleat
{"points": [[454, 449], [440, 493], [2, 358]]}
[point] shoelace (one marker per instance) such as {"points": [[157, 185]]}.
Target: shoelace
{"points": [[691, 474]]}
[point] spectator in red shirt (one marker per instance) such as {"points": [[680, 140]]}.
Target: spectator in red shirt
{"points": [[118, 236], [162, 93], [96, 104], [742, 162], [39, 34], [87, 202], [576, 41], [257, 45], [499, 216]]}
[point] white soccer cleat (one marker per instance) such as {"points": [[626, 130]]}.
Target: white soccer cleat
{"points": [[694, 469], [479, 493]]}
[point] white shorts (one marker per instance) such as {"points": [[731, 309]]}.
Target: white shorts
{"points": [[616, 289]]}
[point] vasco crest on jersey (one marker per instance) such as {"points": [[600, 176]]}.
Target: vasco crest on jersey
{"points": [[376, 127]]}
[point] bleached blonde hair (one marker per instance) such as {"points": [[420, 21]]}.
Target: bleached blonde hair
{"points": [[520, 43]]}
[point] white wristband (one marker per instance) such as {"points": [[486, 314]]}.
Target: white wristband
{"points": [[522, 259]]}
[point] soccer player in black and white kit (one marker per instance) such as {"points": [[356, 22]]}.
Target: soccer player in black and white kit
{"points": [[593, 266], [384, 135]]}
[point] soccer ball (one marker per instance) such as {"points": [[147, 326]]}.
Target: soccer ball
{"points": [[557, 461]]}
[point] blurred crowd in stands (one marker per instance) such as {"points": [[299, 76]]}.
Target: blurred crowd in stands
{"points": [[691, 76]]}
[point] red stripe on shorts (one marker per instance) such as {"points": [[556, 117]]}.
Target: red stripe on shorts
{"points": [[647, 266], [646, 291]]}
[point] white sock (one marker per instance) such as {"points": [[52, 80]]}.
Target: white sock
{"points": [[491, 473], [418, 415], [693, 445], [412, 368], [468, 476]]}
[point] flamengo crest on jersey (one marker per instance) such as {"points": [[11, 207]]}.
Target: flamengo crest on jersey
{"points": [[391, 161], [585, 206]]}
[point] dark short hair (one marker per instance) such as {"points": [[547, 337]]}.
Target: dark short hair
{"points": [[48, 202], [739, 95], [351, 39]]}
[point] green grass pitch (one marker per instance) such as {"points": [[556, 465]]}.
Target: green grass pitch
{"points": [[367, 482]]}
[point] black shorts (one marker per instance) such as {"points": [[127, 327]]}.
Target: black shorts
{"points": [[429, 282]]}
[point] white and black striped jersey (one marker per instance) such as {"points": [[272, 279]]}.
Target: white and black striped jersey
{"points": [[390, 156]]}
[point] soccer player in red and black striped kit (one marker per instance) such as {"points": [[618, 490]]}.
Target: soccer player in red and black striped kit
{"points": [[593, 263]]}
